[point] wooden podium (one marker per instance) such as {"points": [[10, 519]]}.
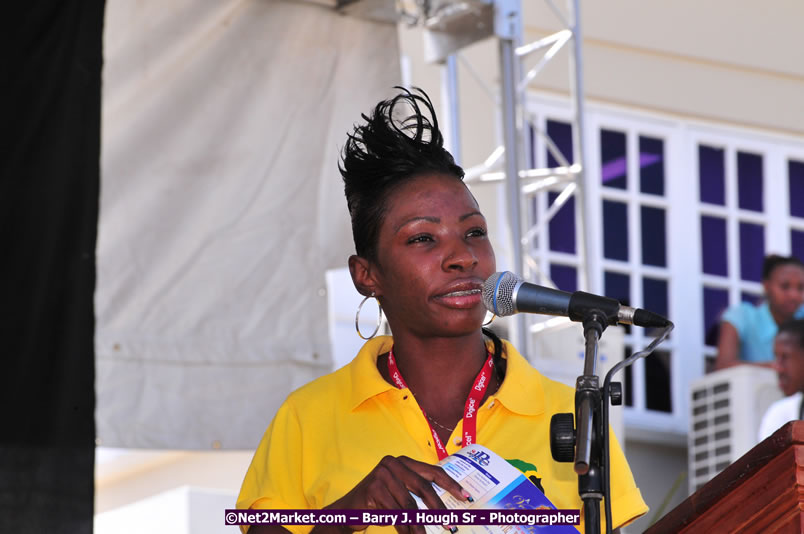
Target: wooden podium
{"points": [[762, 492]]}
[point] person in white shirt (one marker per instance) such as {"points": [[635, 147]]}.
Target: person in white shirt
{"points": [[788, 348]]}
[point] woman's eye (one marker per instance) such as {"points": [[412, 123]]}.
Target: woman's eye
{"points": [[421, 238], [477, 232]]}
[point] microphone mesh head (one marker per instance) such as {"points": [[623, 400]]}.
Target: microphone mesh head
{"points": [[503, 284]]}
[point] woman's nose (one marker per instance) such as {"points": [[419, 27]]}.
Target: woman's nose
{"points": [[461, 257]]}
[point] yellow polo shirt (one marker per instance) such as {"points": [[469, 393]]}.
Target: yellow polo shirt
{"points": [[330, 433]]}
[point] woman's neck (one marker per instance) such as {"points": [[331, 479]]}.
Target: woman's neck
{"points": [[779, 317], [439, 361], [440, 372]]}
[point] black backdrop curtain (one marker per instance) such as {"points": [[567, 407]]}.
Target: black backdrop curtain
{"points": [[48, 219]]}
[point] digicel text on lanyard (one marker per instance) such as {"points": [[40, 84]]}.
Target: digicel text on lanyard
{"points": [[472, 402]]}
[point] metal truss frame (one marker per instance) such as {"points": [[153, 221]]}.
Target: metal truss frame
{"points": [[446, 23]]}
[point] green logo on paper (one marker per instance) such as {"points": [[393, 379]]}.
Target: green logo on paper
{"points": [[529, 470]]}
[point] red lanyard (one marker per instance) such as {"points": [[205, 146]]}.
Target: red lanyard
{"points": [[470, 409]]}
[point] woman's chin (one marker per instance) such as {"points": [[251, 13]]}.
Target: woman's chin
{"points": [[464, 328], [786, 389]]}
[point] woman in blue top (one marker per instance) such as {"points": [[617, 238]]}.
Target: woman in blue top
{"points": [[746, 330]]}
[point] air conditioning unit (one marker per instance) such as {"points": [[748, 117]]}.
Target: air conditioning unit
{"points": [[726, 409]]}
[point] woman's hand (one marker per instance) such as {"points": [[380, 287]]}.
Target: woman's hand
{"points": [[389, 486]]}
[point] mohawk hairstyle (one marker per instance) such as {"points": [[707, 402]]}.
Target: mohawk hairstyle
{"points": [[385, 152]]}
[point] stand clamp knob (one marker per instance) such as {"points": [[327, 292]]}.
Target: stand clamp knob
{"points": [[562, 437], [616, 393]]}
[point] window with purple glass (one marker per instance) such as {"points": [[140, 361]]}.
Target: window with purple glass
{"points": [[561, 228], [795, 184], [634, 233]]}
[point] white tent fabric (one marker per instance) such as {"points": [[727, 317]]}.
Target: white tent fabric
{"points": [[221, 209]]}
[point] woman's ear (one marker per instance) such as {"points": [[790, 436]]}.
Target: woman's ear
{"points": [[362, 272]]}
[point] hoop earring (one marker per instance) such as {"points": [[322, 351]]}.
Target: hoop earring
{"points": [[379, 317], [493, 316]]}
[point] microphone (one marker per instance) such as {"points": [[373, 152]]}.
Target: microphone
{"points": [[506, 294]]}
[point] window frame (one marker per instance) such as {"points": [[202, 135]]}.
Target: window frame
{"points": [[683, 210]]}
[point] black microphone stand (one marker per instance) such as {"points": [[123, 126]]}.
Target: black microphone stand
{"points": [[589, 446], [585, 446], [588, 450]]}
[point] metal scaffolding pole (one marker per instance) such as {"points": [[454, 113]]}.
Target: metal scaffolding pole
{"points": [[449, 96], [511, 121], [449, 27], [585, 204]]}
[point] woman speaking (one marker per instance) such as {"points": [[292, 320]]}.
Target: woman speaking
{"points": [[369, 434]]}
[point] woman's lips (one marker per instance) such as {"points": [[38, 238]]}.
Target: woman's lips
{"points": [[464, 298]]}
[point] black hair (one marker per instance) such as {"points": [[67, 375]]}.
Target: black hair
{"points": [[386, 152], [499, 363], [795, 327], [774, 261]]}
